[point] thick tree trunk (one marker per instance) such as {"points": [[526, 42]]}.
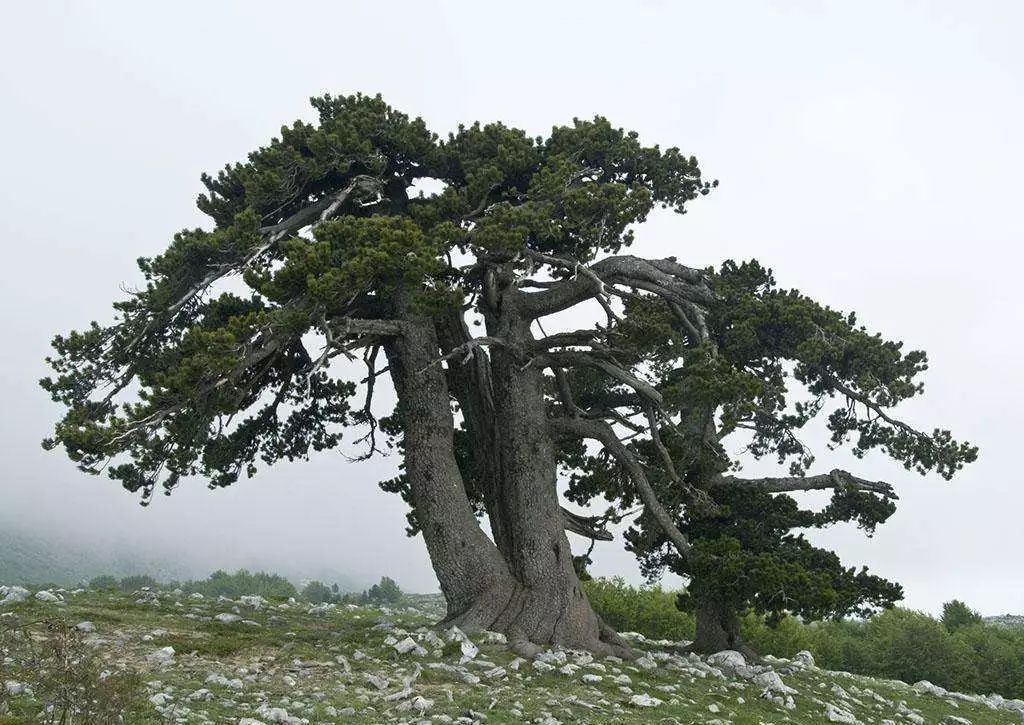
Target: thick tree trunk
{"points": [[471, 571], [549, 606], [526, 585], [469, 380], [718, 628]]}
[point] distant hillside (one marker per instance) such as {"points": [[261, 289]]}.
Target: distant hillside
{"points": [[38, 555], [27, 557], [1006, 620]]}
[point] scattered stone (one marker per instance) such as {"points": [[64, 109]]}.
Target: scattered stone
{"points": [[255, 601], [408, 645], [838, 714], [163, 656], [803, 657], [13, 687], [13, 595], [86, 627], [47, 596], [644, 701], [228, 618]]}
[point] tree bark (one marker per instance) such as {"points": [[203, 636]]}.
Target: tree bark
{"points": [[549, 607], [471, 571], [718, 628]]}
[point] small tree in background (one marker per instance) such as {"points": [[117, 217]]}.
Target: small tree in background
{"points": [[956, 614], [318, 593], [385, 592]]}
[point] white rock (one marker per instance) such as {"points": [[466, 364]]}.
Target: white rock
{"points": [[163, 656], [644, 700], [592, 679], [646, 663], [469, 651], [838, 714], [228, 618], [255, 601], [86, 627], [727, 659], [250, 721], [47, 596], [714, 709], [803, 657], [771, 682], [14, 594], [160, 699], [13, 687], [215, 679], [408, 645]]}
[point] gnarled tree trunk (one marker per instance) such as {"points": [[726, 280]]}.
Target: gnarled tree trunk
{"points": [[471, 571], [718, 628]]}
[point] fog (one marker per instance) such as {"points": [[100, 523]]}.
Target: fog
{"points": [[870, 153]]}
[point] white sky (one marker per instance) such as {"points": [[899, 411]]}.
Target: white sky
{"points": [[869, 152]]}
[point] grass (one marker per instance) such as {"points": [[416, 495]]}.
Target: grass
{"points": [[292, 660]]}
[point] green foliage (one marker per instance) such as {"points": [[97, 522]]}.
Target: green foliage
{"points": [[648, 610], [317, 592], [385, 592], [66, 676], [896, 643], [768, 362], [225, 382], [103, 582], [746, 558], [956, 614], [137, 581], [242, 582]]}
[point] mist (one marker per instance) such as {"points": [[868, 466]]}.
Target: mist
{"points": [[869, 153]]}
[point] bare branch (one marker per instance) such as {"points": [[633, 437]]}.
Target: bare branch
{"points": [[604, 434], [665, 277], [834, 479]]}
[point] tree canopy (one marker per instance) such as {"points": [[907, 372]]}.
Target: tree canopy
{"points": [[364, 233]]}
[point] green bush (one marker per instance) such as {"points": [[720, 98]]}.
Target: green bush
{"points": [[242, 582], [959, 653], [104, 583], [136, 582], [956, 614], [386, 592], [318, 593], [649, 610]]}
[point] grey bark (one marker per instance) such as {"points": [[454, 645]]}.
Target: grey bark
{"points": [[471, 571]]}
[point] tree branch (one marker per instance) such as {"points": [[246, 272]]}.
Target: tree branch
{"points": [[604, 434], [834, 479], [665, 277]]}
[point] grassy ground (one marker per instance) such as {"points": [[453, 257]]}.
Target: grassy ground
{"points": [[315, 666]]}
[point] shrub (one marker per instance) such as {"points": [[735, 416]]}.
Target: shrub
{"points": [[649, 610], [956, 614], [242, 582], [138, 581], [386, 592], [51, 657], [103, 583], [317, 593]]}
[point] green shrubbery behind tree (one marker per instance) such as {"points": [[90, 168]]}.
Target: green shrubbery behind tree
{"points": [[969, 656]]}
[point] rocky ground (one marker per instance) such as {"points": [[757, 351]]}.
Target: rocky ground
{"points": [[249, 662]]}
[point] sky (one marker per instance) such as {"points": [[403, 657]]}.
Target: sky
{"points": [[870, 153]]}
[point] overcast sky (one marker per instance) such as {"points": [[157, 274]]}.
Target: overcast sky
{"points": [[871, 153]]}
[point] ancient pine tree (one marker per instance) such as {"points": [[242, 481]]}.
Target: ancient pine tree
{"points": [[433, 262]]}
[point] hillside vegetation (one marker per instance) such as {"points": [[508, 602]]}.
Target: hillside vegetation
{"points": [[170, 656]]}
